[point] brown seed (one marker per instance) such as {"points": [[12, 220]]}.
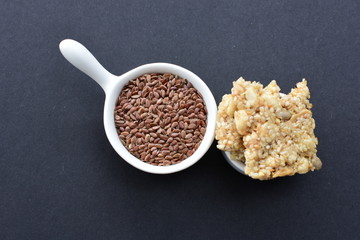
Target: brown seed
{"points": [[176, 147], [160, 118], [168, 131], [163, 93], [155, 128], [182, 111], [165, 152], [183, 134], [188, 135], [167, 120], [151, 108], [147, 138], [132, 109], [154, 153], [191, 115], [202, 116], [124, 134], [189, 153], [159, 101], [144, 115], [133, 117], [163, 137], [145, 131]]}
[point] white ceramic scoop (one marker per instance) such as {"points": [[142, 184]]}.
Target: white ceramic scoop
{"points": [[112, 85]]}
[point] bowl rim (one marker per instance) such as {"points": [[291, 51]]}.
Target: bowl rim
{"points": [[113, 92], [237, 165]]}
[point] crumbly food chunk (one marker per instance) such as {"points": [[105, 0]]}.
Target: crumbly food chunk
{"points": [[229, 139], [271, 132]]}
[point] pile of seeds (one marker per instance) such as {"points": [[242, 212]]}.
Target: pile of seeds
{"points": [[160, 118]]}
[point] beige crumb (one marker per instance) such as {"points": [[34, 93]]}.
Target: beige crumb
{"points": [[271, 132]]}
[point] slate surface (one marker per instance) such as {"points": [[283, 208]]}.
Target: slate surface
{"points": [[61, 179]]}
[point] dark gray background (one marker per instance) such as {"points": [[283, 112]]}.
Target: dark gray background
{"points": [[61, 179]]}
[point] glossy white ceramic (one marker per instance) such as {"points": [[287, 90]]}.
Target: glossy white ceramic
{"points": [[112, 85], [238, 166]]}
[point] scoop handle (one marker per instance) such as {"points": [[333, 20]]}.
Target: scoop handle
{"points": [[82, 59]]}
